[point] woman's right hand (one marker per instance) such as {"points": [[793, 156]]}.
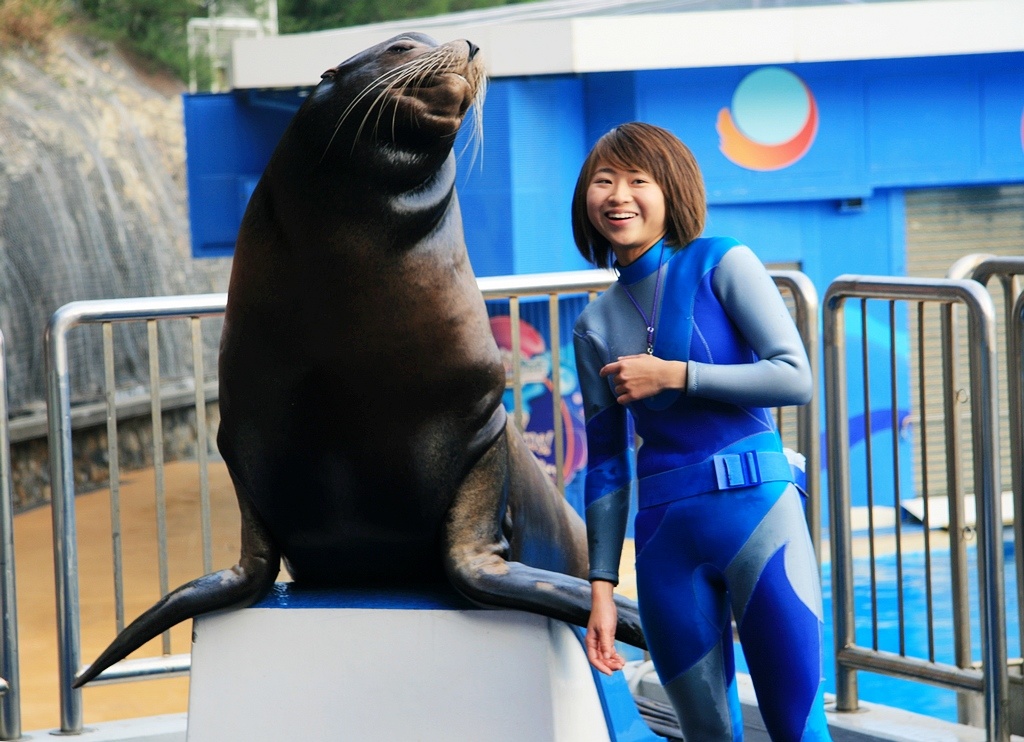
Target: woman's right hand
{"points": [[604, 617]]}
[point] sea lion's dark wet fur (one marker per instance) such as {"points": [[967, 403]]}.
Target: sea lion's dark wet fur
{"points": [[360, 385]]}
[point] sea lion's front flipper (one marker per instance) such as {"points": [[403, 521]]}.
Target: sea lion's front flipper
{"points": [[476, 554], [237, 587]]}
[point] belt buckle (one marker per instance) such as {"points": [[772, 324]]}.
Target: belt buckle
{"points": [[734, 470]]}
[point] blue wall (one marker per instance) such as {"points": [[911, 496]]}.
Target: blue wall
{"points": [[884, 126], [228, 140]]}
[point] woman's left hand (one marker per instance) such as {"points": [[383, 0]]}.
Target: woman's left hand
{"points": [[640, 376]]}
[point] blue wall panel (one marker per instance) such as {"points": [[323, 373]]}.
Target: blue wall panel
{"points": [[485, 189], [228, 141], [688, 102], [1002, 124], [609, 100], [882, 124], [922, 139], [548, 142]]}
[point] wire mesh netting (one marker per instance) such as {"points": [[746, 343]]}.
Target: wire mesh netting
{"points": [[92, 206]]}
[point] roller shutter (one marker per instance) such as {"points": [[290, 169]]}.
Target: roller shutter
{"points": [[943, 225]]}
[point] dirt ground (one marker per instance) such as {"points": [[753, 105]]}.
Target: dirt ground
{"points": [[35, 584], [37, 623]]}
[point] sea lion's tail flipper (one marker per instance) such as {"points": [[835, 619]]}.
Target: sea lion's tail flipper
{"points": [[493, 582], [476, 557], [237, 587]]}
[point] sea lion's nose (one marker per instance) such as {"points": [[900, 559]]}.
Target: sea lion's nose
{"points": [[473, 49]]}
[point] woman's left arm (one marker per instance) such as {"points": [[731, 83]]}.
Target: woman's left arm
{"points": [[782, 375]]}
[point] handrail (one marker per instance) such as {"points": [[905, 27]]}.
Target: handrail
{"points": [[805, 299], [983, 268], [981, 321], [809, 415], [62, 480], [10, 688], [108, 311]]}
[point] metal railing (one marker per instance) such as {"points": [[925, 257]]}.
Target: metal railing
{"points": [[1008, 270], [804, 297], [62, 474], [10, 685], [153, 310], [991, 679]]}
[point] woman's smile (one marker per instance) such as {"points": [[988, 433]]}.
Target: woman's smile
{"points": [[628, 208]]}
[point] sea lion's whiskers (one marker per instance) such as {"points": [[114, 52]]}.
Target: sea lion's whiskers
{"points": [[397, 72], [420, 69], [413, 71], [476, 133], [393, 83]]}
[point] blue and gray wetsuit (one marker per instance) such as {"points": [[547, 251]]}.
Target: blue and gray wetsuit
{"points": [[720, 524]]}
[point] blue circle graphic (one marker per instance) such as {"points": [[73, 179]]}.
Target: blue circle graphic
{"points": [[770, 105]]}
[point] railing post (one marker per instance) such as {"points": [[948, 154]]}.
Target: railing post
{"points": [[62, 487], [805, 298], [836, 415], [1015, 368], [10, 702], [968, 710], [62, 475], [1009, 270], [154, 308], [988, 496], [985, 449]]}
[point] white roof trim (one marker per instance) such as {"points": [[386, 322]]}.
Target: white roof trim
{"points": [[916, 28]]}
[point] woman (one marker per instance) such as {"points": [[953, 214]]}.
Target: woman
{"points": [[692, 344]]}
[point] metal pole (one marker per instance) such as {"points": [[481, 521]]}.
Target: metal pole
{"points": [[985, 449], [65, 547], [62, 475], [837, 425], [809, 415], [988, 495], [1015, 366], [1009, 270], [557, 424], [968, 709], [10, 702]]}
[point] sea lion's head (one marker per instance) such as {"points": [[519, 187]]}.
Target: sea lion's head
{"points": [[401, 102]]}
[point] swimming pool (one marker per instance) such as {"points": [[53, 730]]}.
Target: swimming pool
{"points": [[921, 698]]}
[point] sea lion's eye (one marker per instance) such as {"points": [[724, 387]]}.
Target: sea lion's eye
{"points": [[329, 74], [400, 47]]}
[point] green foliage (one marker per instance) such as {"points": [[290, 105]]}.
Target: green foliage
{"points": [[29, 22], [155, 30]]}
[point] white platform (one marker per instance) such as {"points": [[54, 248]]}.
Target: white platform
{"points": [[353, 673], [938, 509]]}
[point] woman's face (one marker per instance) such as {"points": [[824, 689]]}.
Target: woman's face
{"points": [[628, 208]]}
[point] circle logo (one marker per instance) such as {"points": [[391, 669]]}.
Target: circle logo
{"points": [[772, 122]]}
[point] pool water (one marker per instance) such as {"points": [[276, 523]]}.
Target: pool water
{"points": [[921, 698]]}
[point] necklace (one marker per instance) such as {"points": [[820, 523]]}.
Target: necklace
{"points": [[649, 321]]}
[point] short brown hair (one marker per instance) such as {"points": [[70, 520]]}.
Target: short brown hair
{"points": [[667, 160]]}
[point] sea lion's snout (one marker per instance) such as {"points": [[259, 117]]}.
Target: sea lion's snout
{"points": [[408, 92], [436, 85]]}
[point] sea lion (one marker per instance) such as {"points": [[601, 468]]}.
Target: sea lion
{"points": [[360, 384]]}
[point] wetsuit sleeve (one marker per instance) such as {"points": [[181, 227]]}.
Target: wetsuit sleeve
{"points": [[782, 375], [609, 461]]}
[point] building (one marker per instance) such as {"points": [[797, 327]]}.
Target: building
{"points": [[835, 137]]}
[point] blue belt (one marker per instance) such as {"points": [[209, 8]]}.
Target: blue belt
{"points": [[721, 472]]}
